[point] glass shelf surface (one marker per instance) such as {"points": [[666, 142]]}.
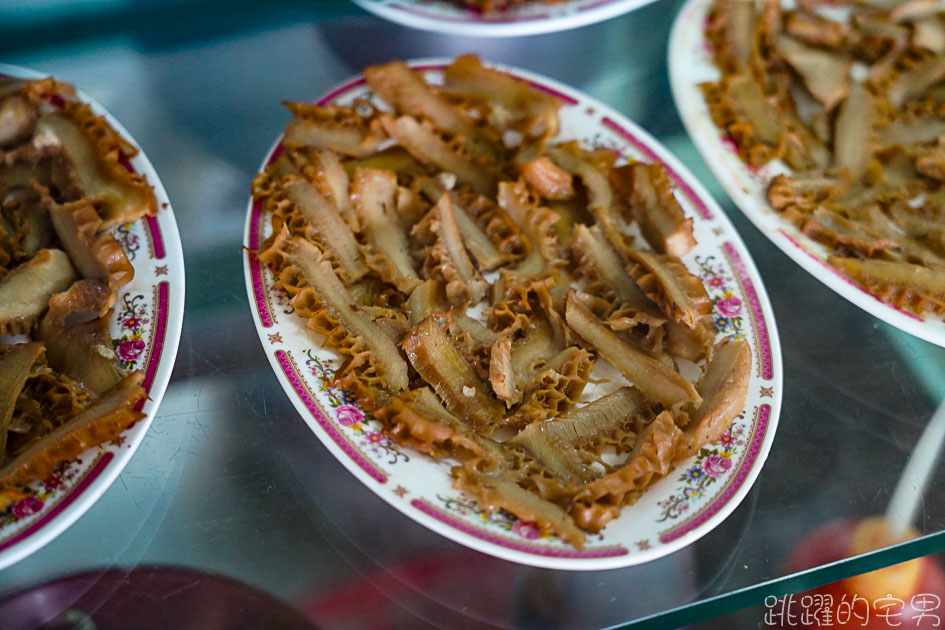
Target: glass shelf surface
{"points": [[230, 480]]}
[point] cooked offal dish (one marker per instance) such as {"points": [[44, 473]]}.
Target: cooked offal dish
{"points": [[850, 97], [62, 187], [475, 276]]}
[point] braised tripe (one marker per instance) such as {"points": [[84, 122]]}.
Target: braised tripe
{"points": [[63, 184], [493, 277], [850, 97]]}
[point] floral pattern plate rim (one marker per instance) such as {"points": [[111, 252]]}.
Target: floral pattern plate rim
{"points": [[532, 18], [690, 63], [676, 511], [145, 330]]}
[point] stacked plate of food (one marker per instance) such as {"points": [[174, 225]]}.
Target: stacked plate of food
{"points": [[512, 314], [91, 302], [498, 18], [824, 123]]}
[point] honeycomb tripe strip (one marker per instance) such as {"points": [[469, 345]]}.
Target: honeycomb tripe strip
{"points": [[374, 197], [911, 84], [46, 164], [905, 284], [555, 389], [833, 230], [451, 240], [17, 120], [723, 388], [595, 418], [402, 88], [909, 130], [446, 256], [423, 144], [487, 256], [534, 350], [497, 224], [81, 349], [692, 344], [654, 379], [515, 100], [666, 281], [929, 33], [332, 174], [649, 194], [25, 291], [924, 227], [853, 138], [15, 364], [554, 444], [815, 30], [825, 73], [730, 27], [418, 419], [101, 422], [648, 330], [803, 192], [738, 105], [323, 167], [97, 256], [921, 239], [427, 298], [536, 222], [494, 491], [58, 398], [473, 328], [600, 264], [600, 194], [471, 344], [600, 501], [332, 230], [394, 159], [382, 353], [502, 374], [337, 128], [515, 363], [24, 227], [441, 365], [95, 152]]}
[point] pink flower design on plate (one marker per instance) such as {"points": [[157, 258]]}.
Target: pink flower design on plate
{"points": [[729, 307], [53, 482], [526, 529], [348, 415], [729, 143], [132, 322], [130, 349], [26, 507], [715, 465]]}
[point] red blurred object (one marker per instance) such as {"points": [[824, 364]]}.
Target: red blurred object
{"points": [[146, 598], [838, 605], [431, 587]]}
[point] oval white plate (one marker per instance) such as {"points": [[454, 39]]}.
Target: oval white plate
{"points": [[145, 327], [690, 63], [676, 511], [532, 18]]}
